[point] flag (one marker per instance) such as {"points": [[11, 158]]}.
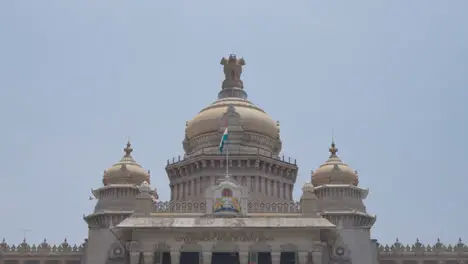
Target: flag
{"points": [[223, 140]]}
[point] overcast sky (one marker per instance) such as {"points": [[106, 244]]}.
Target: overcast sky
{"points": [[389, 77]]}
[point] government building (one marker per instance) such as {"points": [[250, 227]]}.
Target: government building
{"points": [[231, 203]]}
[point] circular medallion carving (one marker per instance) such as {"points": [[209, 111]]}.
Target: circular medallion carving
{"points": [[117, 251], [339, 251]]}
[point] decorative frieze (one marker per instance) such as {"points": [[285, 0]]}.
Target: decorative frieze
{"points": [[252, 207], [223, 236]]}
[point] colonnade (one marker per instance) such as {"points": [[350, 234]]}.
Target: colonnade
{"points": [[195, 187], [314, 257]]}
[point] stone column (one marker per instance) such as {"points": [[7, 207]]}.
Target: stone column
{"points": [[134, 257], [184, 190], [212, 181], [244, 257], [317, 257], [302, 257], [148, 257], [175, 257], [275, 257], [206, 258]]}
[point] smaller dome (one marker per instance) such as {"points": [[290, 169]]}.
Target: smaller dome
{"points": [[127, 170], [334, 171], [308, 187], [308, 191]]}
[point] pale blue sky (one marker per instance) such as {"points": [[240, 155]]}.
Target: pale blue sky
{"points": [[389, 77]]}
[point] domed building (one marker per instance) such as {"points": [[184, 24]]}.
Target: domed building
{"points": [[231, 203]]}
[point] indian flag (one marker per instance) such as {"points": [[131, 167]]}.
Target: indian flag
{"points": [[223, 139]]}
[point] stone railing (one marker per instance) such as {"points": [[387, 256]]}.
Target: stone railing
{"points": [[233, 153], [273, 207], [180, 207], [253, 207], [398, 248], [44, 247]]}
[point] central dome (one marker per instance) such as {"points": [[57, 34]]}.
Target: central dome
{"points": [[251, 119]]}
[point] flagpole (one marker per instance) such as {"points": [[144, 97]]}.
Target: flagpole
{"points": [[227, 149], [227, 160]]}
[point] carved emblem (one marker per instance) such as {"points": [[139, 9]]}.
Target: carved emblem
{"points": [[231, 118]]}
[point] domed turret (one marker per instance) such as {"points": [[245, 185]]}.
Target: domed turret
{"points": [[127, 170], [204, 130], [334, 171]]}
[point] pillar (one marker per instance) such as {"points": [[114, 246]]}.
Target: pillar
{"points": [[134, 257], [244, 257], [302, 257], [175, 257], [317, 257], [206, 258], [275, 257], [148, 257]]}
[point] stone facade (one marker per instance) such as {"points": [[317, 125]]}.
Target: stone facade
{"points": [[231, 206]]}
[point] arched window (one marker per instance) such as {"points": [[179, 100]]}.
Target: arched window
{"points": [[227, 193]]}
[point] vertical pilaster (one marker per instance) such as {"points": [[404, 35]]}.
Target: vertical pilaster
{"points": [[244, 257], [175, 257], [134, 257], [206, 258], [302, 257], [275, 257], [317, 257], [184, 191], [148, 257]]}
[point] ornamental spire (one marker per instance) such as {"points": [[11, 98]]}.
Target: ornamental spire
{"points": [[333, 149], [128, 149]]}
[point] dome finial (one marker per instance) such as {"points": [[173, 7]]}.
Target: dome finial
{"points": [[333, 149], [128, 149]]}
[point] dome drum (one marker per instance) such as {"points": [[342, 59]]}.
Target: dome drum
{"points": [[232, 93], [239, 142]]}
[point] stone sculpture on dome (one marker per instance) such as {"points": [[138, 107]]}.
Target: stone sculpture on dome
{"points": [[232, 71]]}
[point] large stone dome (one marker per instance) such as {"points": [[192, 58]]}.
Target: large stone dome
{"points": [[255, 128], [252, 118]]}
